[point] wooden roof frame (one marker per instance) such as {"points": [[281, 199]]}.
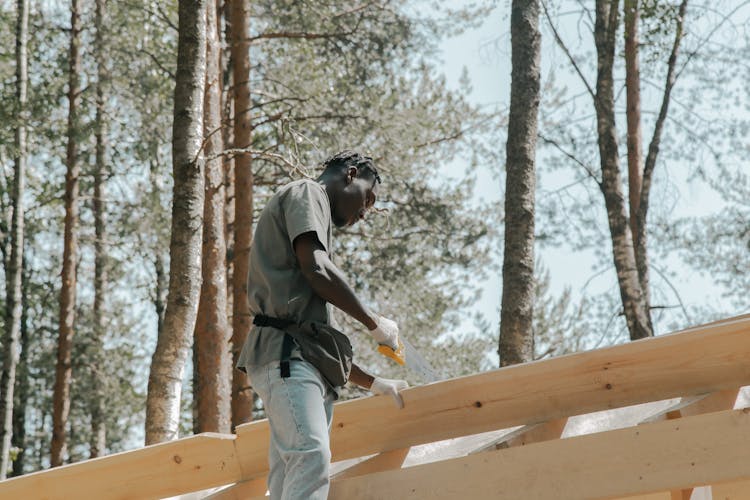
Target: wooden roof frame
{"points": [[700, 360]]}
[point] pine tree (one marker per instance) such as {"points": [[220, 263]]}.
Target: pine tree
{"points": [[212, 392], [14, 267], [63, 371]]}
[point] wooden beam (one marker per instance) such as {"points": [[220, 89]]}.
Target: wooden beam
{"points": [[388, 460], [731, 491], [697, 405], [696, 361], [662, 495], [254, 488], [534, 433], [544, 432], [717, 401], [156, 471], [243, 490], [643, 459]]}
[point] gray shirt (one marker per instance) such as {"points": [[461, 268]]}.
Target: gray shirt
{"points": [[276, 286]]}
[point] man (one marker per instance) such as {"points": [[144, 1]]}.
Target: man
{"points": [[292, 277]]}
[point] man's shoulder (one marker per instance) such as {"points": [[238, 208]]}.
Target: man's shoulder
{"points": [[303, 184], [304, 188]]}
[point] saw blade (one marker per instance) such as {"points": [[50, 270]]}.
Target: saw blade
{"points": [[416, 362]]}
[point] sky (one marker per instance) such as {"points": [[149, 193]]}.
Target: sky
{"points": [[484, 52]]}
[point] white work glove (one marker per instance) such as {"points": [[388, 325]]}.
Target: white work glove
{"points": [[386, 332], [381, 386]]}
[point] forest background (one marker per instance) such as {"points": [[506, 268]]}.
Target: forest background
{"points": [[425, 88]]}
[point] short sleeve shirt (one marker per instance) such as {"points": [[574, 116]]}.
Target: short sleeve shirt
{"points": [[276, 285]]}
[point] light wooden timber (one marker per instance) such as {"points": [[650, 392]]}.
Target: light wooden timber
{"points": [[697, 405], [527, 434], [681, 494], [243, 490], [387, 460], [662, 495], [696, 361], [643, 459], [717, 401], [731, 491], [544, 432], [156, 471]]}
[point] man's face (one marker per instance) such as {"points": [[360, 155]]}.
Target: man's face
{"points": [[357, 196]]}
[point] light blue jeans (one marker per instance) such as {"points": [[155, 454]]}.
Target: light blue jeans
{"points": [[299, 410]]}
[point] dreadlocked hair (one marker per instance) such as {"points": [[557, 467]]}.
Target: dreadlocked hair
{"points": [[349, 158]]}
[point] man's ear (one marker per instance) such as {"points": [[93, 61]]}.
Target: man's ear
{"points": [[351, 174]]}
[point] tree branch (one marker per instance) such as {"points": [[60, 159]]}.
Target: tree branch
{"points": [[567, 52], [707, 37], [557, 146], [653, 148]]}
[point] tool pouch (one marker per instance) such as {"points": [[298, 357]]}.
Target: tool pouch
{"points": [[326, 348]]}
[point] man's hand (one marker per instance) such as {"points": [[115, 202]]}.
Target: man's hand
{"points": [[386, 332], [382, 386]]}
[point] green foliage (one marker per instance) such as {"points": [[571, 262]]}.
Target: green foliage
{"points": [[364, 79], [719, 245], [374, 89]]}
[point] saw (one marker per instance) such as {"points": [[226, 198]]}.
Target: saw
{"points": [[407, 355]]}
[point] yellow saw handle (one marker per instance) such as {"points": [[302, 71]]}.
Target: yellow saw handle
{"points": [[399, 356]]}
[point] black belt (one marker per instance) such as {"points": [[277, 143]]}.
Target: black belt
{"points": [[286, 345]]}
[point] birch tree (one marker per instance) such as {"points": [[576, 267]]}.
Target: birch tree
{"points": [[516, 344], [98, 407], [627, 217], [173, 344], [633, 300], [63, 372], [14, 269]]}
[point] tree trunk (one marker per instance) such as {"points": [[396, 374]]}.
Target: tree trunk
{"points": [[63, 373], [22, 381], [160, 293], [173, 345], [98, 407], [633, 104], [161, 281], [242, 397], [516, 343], [212, 393], [634, 306], [228, 138], [641, 248], [635, 145], [14, 270]]}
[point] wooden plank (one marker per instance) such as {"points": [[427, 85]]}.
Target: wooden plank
{"points": [[387, 460], [696, 361], [648, 458], [662, 495], [681, 494], [257, 487], [527, 434], [240, 491], [548, 430], [502, 441], [731, 491], [157, 471], [717, 401]]}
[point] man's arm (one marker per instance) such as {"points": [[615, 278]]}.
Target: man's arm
{"points": [[327, 281], [378, 385], [360, 377]]}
